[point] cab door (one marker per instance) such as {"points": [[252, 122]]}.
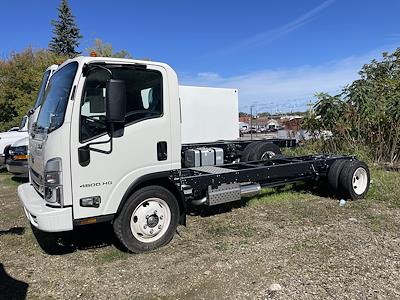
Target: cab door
{"points": [[140, 146]]}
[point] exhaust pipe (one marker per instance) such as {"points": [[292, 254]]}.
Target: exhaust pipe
{"points": [[199, 201], [250, 190]]}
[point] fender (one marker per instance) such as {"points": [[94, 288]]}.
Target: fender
{"points": [[161, 179]]}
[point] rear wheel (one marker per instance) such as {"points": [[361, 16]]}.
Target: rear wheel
{"points": [[248, 150], [355, 180], [334, 175], [264, 151], [148, 220]]}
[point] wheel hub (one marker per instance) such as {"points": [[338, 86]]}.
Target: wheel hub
{"points": [[267, 155], [360, 181], [152, 221]]}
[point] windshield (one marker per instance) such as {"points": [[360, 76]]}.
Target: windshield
{"points": [[56, 97], [42, 89]]}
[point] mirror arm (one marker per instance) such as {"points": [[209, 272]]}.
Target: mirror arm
{"points": [[110, 140]]}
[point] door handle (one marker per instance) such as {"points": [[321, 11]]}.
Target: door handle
{"points": [[162, 151]]}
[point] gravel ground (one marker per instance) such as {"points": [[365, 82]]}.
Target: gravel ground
{"points": [[288, 246]]}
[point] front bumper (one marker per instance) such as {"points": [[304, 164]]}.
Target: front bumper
{"points": [[18, 167], [2, 159], [40, 215]]}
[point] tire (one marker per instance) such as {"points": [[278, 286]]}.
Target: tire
{"points": [[6, 152], [247, 151], [334, 175], [264, 151], [354, 180], [148, 219]]}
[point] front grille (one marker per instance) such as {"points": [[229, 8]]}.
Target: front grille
{"points": [[37, 182]]}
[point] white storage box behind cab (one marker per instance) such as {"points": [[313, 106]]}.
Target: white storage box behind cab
{"points": [[208, 114]]}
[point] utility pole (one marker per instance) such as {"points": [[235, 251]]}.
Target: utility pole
{"points": [[251, 122], [256, 116]]}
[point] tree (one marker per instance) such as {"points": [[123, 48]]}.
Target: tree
{"points": [[66, 33], [366, 115], [264, 114], [20, 78], [106, 50]]}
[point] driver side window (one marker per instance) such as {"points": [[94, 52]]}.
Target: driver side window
{"points": [[143, 92], [93, 113]]}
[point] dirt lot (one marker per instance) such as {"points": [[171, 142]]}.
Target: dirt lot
{"points": [[306, 243]]}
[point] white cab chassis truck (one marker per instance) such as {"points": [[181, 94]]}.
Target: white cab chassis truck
{"points": [[118, 140]]}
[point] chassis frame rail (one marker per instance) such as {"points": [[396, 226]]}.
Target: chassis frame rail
{"points": [[273, 172]]}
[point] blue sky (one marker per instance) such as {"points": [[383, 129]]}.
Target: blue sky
{"points": [[278, 53]]}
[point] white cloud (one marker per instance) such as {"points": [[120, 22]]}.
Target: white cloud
{"points": [[264, 38], [286, 89]]}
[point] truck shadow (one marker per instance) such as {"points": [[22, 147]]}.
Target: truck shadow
{"points": [[102, 235], [82, 238], [11, 288], [319, 188], [316, 188], [13, 231], [20, 179]]}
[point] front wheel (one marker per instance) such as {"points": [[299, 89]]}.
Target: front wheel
{"points": [[148, 219]]}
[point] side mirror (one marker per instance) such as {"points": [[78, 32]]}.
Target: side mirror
{"points": [[115, 113], [115, 101]]}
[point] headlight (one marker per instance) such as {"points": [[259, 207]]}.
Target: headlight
{"points": [[18, 153], [53, 190], [20, 150]]}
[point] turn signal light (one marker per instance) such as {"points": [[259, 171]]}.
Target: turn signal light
{"points": [[88, 221], [21, 157]]}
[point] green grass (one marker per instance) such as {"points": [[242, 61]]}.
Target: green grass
{"points": [[222, 246], [7, 180], [275, 196], [382, 223], [385, 186], [110, 255], [313, 247], [287, 193], [219, 230]]}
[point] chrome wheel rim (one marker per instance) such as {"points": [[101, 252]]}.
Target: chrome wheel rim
{"points": [[150, 220], [267, 155], [360, 181]]}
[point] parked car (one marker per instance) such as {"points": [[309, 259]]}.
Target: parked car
{"points": [[17, 161], [8, 138]]}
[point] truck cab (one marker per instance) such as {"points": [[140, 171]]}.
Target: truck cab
{"points": [[66, 185]]}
